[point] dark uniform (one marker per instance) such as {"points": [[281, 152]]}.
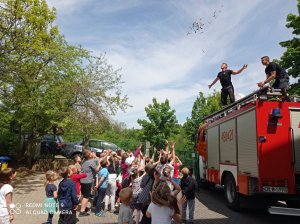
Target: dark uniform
{"points": [[227, 87], [281, 79]]}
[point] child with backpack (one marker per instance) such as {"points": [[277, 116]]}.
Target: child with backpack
{"points": [[67, 198]]}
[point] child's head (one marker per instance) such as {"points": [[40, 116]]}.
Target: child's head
{"points": [[162, 196], [134, 172], [147, 168], [124, 157], [152, 172], [147, 160], [73, 168], [51, 176], [185, 171], [87, 154], [77, 159], [103, 163], [166, 171], [65, 172], [7, 175], [163, 159], [126, 195], [93, 154], [120, 152]]}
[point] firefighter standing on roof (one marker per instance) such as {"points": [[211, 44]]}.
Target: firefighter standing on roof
{"points": [[225, 78], [274, 71]]}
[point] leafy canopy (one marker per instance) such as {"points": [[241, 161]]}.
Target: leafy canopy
{"points": [[161, 125], [291, 57], [203, 106]]}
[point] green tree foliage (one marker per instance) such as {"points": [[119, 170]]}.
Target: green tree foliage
{"points": [[291, 57], [203, 106], [97, 95], [45, 82], [161, 125], [181, 139], [127, 139]]}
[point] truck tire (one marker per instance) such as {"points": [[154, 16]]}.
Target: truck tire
{"points": [[231, 194]]}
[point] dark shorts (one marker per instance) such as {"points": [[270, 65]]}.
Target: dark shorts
{"points": [[67, 217], [134, 204], [86, 190]]}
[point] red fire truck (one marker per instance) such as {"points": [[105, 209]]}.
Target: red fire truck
{"points": [[253, 147]]}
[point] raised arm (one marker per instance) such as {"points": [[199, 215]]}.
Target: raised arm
{"points": [[214, 82], [167, 146], [180, 163], [153, 155], [235, 72], [173, 153], [155, 163], [138, 150]]}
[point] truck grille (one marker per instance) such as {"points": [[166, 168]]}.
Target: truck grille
{"points": [[253, 185]]}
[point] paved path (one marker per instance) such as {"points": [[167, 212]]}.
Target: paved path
{"points": [[210, 208]]}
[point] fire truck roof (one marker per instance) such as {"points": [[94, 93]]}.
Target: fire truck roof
{"points": [[265, 93]]}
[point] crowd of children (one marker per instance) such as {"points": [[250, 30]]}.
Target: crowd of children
{"points": [[120, 182]]}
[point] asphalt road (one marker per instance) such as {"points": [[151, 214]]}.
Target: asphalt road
{"points": [[213, 209], [210, 207]]}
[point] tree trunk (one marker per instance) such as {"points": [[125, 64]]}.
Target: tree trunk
{"points": [[32, 150], [21, 144], [86, 139]]}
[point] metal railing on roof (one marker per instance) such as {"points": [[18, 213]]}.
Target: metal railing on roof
{"points": [[265, 93]]}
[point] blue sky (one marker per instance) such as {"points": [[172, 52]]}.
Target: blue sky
{"points": [[148, 40]]}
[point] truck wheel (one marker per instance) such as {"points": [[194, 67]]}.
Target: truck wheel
{"points": [[231, 194]]}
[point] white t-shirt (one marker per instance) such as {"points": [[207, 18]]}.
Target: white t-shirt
{"points": [[5, 189], [160, 214]]}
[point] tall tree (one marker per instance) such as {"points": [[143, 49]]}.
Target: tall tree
{"points": [[45, 82], [161, 124], [203, 106], [97, 95], [291, 57]]}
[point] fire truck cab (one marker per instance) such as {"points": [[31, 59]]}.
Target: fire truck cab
{"points": [[253, 147]]}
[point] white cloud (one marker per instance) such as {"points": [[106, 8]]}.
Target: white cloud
{"points": [[67, 7], [159, 60]]}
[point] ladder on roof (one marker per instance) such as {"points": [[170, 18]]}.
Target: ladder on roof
{"points": [[263, 93]]}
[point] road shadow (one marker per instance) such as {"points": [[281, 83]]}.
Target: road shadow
{"points": [[254, 210], [28, 181]]}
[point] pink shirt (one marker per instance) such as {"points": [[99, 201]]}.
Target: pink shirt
{"points": [[125, 174], [176, 170]]}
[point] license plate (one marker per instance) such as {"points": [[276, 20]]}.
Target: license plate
{"points": [[275, 189]]}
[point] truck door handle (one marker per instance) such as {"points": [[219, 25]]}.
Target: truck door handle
{"points": [[227, 161], [293, 147]]}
